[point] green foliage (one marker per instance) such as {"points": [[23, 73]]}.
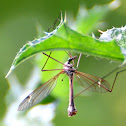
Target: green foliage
{"points": [[18, 21], [64, 38]]}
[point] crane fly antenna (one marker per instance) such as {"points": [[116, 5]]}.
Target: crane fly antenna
{"points": [[67, 53], [70, 54]]}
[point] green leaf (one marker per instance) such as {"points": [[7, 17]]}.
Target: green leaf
{"points": [[118, 34], [63, 37]]}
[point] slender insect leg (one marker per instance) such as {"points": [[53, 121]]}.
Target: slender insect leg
{"points": [[52, 69], [110, 72], [78, 60], [46, 61], [53, 58], [54, 25], [58, 19], [48, 31], [56, 69], [116, 78], [102, 86], [82, 91]]}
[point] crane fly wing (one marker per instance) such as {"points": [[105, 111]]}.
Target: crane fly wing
{"points": [[39, 94], [92, 83]]}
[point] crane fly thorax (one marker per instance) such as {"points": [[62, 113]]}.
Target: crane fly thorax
{"points": [[68, 68]]}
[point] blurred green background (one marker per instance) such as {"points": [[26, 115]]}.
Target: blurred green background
{"points": [[20, 22]]}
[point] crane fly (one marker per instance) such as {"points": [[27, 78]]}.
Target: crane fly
{"points": [[87, 81]]}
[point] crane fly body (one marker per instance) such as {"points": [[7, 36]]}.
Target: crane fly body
{"points": [[87, 81]]}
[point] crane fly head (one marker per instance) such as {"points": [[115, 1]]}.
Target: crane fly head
{"points": [[72, 58]]}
